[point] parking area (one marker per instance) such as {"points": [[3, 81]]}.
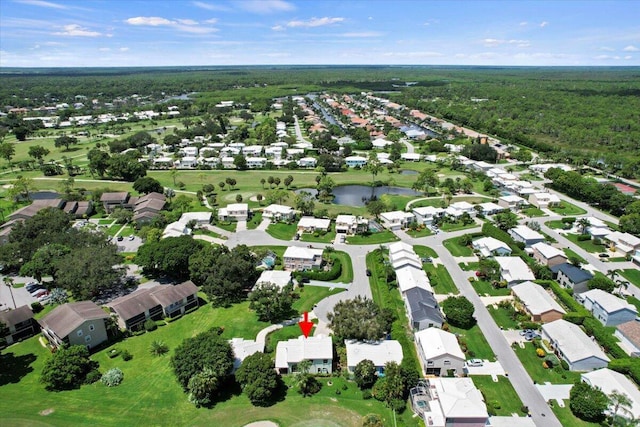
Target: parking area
{"points": [[128, 244], [20, 295]]}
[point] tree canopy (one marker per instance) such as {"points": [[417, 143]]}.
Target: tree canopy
{"points": [[359, 319], [258, 378], [169, 257], [459, 312], [588, 403], [271, 303], [67, 368]]}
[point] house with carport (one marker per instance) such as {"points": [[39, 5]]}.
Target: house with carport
{"points": [[378, 352], [277, 278], [624, 243], [317, 349], [490, 246], [351, 224], [309, 224], [511, 202], [426, 214], [234, 211], [544, 200], [279, 213], [439, 352], [537, 302], [571, 344], [297, 258]]}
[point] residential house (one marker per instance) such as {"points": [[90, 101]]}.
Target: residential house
{"points": [[544, 200], [20, 324], [422, 308], [425, 215], [490, 208], [524, 234], [351, 224], [628, 334], [490, 246], [353, 161], [573, 346], [279, 213], [75, 323], [596, 228], [411, 157], [186, 162], [397, 220], [278, 278], [316, 349], [457, 209], [547, 255], [511, 202], [299, 258], [307, 162], [624, 243], [608, 309], [147, 207], [409, 277], [309, 224], [440, 352], [154, 303], [112, 200], [380, 353], [405, 258], [234, 211], [445, 402], [244, 348], [572, 277], [514, 270], [538, 302], [609, 381]]}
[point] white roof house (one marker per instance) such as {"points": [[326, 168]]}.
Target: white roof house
{"points": [[489, 208], [538, 302], [278, 211], [454, 401], [279, 278], [176, 229], [317, 349], [381, 142], [244, 348], [396, 220], [490, 246], [514, 270], [524, 234], [608, 381], [409, 277], [548, 255], [608, 309], [309, 223], [199, 217], [623, 242], [574, 346], [399, 247], [543, 200], [425, 214], [302, 253], [434, 342], [379, 353]]}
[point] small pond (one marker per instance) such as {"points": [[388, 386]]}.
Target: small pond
{"points": [[408, 172], [356, 195]]}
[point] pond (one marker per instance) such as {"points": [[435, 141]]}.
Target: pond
{"points": [[408, 172], [356, 195]]}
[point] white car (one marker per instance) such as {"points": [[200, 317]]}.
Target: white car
{"points": [[39, 293], [474, 362]]}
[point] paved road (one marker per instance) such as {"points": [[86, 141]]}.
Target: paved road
{"points": [[409, 145], [299, 136]]}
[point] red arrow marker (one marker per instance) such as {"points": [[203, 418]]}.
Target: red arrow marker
{"points": [[305, 325]]}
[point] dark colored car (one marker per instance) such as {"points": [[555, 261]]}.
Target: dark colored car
{"points": [[368, 272], [120, 238]]}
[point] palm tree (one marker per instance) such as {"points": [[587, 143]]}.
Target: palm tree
{"points": [[9, 282], [619, 401], [583, 223]]}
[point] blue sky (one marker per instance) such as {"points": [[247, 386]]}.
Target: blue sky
{"points": [[56, 33]]}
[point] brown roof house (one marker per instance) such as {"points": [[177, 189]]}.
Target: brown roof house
{"points": [[119, 199], [629, 335], [154, 303], [148, 206], [76, 323], [20, 323]]}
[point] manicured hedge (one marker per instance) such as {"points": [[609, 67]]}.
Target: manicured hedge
{"points": [[325, 275], [604, 337]]}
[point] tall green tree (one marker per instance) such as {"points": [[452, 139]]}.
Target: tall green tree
{"points": [[259, 379], [169, 256], [271, 303], [67, 368], [459, 312], [588, 403], [7, 151], [359, 319], [65, 141]]}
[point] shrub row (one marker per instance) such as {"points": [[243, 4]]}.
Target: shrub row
{"points": [[325, 275], [610, 344]]}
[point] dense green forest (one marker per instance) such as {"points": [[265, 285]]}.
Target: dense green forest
{"points": [[588, 115]]}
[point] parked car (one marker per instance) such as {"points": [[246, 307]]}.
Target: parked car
{"points": [[32, 286], [475, 362], [45, 298], [120, 238], [132, 237], [39, 293], [603, 255], [368, 272]]}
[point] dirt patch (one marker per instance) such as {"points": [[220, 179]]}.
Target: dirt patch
{"points": [[262, 424], [47, 412], [333, 399]]}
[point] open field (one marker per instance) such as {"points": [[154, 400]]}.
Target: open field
{"points": [[499, 394], [567, 209]]}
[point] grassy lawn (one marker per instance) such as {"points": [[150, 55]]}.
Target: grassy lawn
{"points": [[499, 394], [502, 317], [566, 417], [346, 276], [441, 280], [373, 238], [533, 364], [207, 232], [311, 295], [387, 297], [567, 209], [556, 224], [226, 225], [255, 220], [469, 266], [476, 342], [419, 233], [320, 238], [632, 275], [455, 226], [483, 287], [456, 249], [572, 254], [532, 211], [587, 245], [425, 251], [282, 230]]}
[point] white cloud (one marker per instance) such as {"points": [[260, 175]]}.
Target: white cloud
{"points": [[123, 49], [266, 6], [607, 49], [430, 21], [278, 28], [628, 57], [104, 49], [43, 3], [211, 21], [418, 54], [524, 23], [362, 34], [185, 25], [631, 48], [492, 42], [75, 30], [543, 24], [608, 57], [153, 21], [370, 18], [315, 22], [209, 6], [498, 42]]}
